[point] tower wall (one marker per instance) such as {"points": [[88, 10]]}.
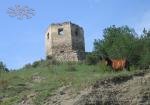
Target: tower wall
{"points": [[65, 42]]}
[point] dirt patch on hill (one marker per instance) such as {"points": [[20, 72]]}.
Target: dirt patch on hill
{"points": [[121, 90], [65, 95]]}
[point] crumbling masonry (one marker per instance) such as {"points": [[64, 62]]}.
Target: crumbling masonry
{"points": [[65, 42]]}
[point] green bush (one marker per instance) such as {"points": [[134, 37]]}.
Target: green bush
{"points": [[52, 60], [145, 61], [104, 68], [36, 64], [91, 59], [3, 67], [27, 66], [42, 63]]}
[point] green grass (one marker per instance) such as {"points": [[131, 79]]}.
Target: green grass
{"points": [[20, 83]]}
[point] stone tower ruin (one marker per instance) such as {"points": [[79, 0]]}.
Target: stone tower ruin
{"points": [[65, 42]]}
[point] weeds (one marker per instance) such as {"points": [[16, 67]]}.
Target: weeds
{"points": [[71, 68], [3, 84], [79, 75]]}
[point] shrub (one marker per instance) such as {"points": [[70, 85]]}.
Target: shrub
{"points": [[49, 57], [134, 68], [27, 66], [92, 59], [3, 67], [104, 67], [36, 64], [52, 60], [145, 61]]}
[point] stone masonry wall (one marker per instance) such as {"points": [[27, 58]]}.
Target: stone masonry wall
{"points": [[65, 42]]}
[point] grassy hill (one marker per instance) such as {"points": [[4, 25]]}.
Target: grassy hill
{"points": [[38, 81]]}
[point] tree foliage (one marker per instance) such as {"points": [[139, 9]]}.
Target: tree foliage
{"points": [[118, 42], [124, 43], [92, 58], [144, 49], [3, 67]]}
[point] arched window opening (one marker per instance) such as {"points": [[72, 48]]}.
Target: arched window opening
{"points": [[60, 31]]}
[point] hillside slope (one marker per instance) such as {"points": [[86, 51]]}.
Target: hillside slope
{"points": [[73, 84], [120, 90]]}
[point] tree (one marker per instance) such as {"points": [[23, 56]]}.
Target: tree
{"points": [[144, 51], [3, 67], [118, 42]]}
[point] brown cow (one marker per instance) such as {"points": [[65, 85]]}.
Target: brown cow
{"points": [[117, 64]]}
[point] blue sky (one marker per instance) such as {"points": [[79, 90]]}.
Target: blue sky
{"points": [[22, 41]]}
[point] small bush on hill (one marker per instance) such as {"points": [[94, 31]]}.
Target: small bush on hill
{"points": [[36, 64], [3, 67], [104, 67], [52, 60], [92, 59], [42, 63], [27, 66]]}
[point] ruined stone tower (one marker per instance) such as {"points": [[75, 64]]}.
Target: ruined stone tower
{"points": [[65, 42]]}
